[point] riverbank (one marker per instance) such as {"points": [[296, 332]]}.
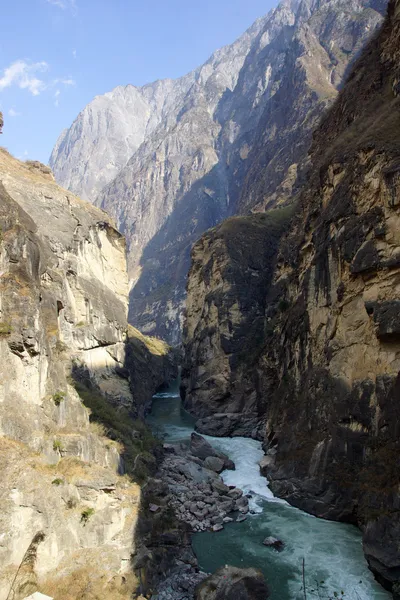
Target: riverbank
{"points": [[332, 551]]}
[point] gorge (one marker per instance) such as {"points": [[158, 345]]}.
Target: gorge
{"points": [[273, 272]]}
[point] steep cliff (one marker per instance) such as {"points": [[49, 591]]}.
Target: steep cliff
{"points": [[325, 370], [175, 154], [68, 516], [232, 269]]}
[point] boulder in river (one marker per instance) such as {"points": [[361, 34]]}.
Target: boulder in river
{"points": [[231, 583], [202, 449], [214, 464], [272, 542], [220, 487]]}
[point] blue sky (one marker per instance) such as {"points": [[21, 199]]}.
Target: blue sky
{"points": [[56, 55]]}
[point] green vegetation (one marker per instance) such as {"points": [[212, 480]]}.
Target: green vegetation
{"points": [[57, 481], [80, 324], [58, 397], [86, 514], [283, 305], [138, 442], [5, 328], [57, 446]]}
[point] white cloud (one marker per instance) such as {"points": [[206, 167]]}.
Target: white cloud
{"points": [[68, 81], [64, 4], [74, 53], [13, 113], [23, 75], [56, 97]]}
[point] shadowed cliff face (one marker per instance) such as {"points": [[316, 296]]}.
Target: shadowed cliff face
{"points": [[232, 270], [68, 517], [177, 157], [325, 378]]}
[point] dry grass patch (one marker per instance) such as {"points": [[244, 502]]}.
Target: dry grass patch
{"points": [[86, 584], [154, 345], [71, 468]]}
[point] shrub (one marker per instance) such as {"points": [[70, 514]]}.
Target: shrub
{"points": [[57, 446], [5, 328], [58, 397], [57, 481], [86, 514], [283, 305]]}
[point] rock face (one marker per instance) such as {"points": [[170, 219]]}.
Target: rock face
{"points": [[232, 269], [169, 160], [63, 287], [231, 583], [324, 379]]}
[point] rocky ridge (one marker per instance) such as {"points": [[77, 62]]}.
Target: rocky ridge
{"points": [[168, 160], [323, 375]]}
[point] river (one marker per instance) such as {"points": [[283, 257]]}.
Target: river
{"points": [[335, 566]]}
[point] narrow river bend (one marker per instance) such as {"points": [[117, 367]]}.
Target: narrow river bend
{"points": [[335, 566]]}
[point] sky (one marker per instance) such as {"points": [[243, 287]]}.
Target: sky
{"points": [[57, 55]]}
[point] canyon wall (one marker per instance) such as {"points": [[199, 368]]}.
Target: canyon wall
{"points": [[68, 513], [321, 371], [176, 157]]}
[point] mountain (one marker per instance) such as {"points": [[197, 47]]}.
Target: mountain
{"points": [[174, 158], [293, 321]]}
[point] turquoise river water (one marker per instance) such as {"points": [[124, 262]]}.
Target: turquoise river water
{"points": [[334, 562]]}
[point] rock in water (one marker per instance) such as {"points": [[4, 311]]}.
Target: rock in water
{"points": [[272, 542], [214, 464], [231, 583], [202, 449]]}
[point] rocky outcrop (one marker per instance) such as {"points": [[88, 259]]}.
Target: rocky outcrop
{"points": [[68, 516], [232, 269], [230, 583], [325, 378], [169, 160], [149, 364]]}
